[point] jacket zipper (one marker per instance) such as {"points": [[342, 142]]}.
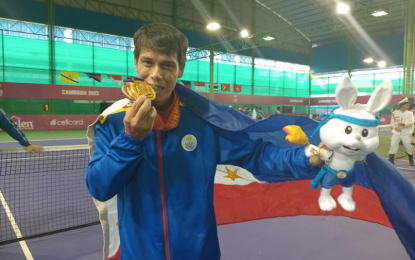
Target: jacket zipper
{"points": [[163, 197]]}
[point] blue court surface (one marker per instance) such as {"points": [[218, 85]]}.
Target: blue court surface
{"points": [[291, 238]]}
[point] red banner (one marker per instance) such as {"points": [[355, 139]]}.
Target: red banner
{"points": [[257, 99], [53, 122], [46, 91], [330, 101]]}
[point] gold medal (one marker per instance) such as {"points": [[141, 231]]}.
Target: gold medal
{"points": [[137, 88]]}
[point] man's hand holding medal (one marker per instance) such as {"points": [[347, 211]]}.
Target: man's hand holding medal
{"points": [[139, 119]]}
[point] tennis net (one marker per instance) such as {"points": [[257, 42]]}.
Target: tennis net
{"points": [[43, 193]]}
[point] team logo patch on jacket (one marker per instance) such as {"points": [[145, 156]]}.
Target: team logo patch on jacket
{"points": [[189, 142]]}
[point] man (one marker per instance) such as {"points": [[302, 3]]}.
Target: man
{"points": [[254, 113], [10, 127], [402, 126], [244, 110], [160, 157], [260, 113], [278, 111]]}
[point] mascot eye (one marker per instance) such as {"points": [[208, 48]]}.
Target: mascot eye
{"points": [[365, 132], [348, 129]]}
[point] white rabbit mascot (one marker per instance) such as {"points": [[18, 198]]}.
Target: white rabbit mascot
{"points": [[350, 133]]}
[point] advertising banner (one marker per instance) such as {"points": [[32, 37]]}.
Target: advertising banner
{"points": [[53, 122]]}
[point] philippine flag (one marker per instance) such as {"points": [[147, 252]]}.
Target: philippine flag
{"points": [[187, 84], [239, 196], [94, 76], [116, 78]]}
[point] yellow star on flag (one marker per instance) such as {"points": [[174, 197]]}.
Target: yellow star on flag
{"points": [[232, 174]]}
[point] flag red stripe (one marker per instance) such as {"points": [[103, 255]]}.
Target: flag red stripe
{"points": [[115, 77], [199, 84], [117, 255], [226, 87], [235, 203]]}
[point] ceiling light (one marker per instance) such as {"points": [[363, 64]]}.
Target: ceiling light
{"points": [[381, 64], [268, 38], [378, 13], [244, 33], [368, 60], [213, 26], [343, 8]]}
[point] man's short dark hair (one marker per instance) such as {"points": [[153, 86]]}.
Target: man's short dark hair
{"points": [[162, 38]]}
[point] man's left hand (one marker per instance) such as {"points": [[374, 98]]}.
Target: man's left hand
{"points": [[315, 160]]}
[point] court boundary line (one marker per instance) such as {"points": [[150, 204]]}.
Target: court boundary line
{"points": [[402, 168], [16, 229]]}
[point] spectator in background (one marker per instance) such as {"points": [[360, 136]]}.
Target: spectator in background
{"points": [[402, 125], [244, 110], [259, 113], [278, 111], [254, 113], [248, 111], [11, 128]]}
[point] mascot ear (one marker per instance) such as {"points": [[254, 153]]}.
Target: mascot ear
{"points": [[381, 97], [346, 92]]}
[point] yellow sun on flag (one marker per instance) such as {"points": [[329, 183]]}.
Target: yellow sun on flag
{"points": [[232, 174]]}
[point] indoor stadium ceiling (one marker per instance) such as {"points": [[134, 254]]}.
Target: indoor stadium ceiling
{"points": [[319, 22], [296, 25]]}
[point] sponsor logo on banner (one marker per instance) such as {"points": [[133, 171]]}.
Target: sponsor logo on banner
{"points": [[296, 101], [322, 101], [21, 124], [67, 122], [80, 92]]}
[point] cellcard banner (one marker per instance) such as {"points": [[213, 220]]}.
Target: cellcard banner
{"points": [[53, 122]]}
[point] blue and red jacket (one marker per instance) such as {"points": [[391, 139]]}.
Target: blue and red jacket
{"points": [[165, 188]]}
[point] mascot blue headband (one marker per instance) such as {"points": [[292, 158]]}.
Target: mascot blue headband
{"points": [[350, 119]]}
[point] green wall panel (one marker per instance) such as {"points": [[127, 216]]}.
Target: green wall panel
{"points": [[73, 57], [226, 73], [26, 53], [110, 61]]}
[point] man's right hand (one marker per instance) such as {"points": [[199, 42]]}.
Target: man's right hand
{"points": [[34, 148], [139, 119]]}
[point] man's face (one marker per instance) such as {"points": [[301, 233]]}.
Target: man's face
{"points": [[405, 107], [161, 72]]}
